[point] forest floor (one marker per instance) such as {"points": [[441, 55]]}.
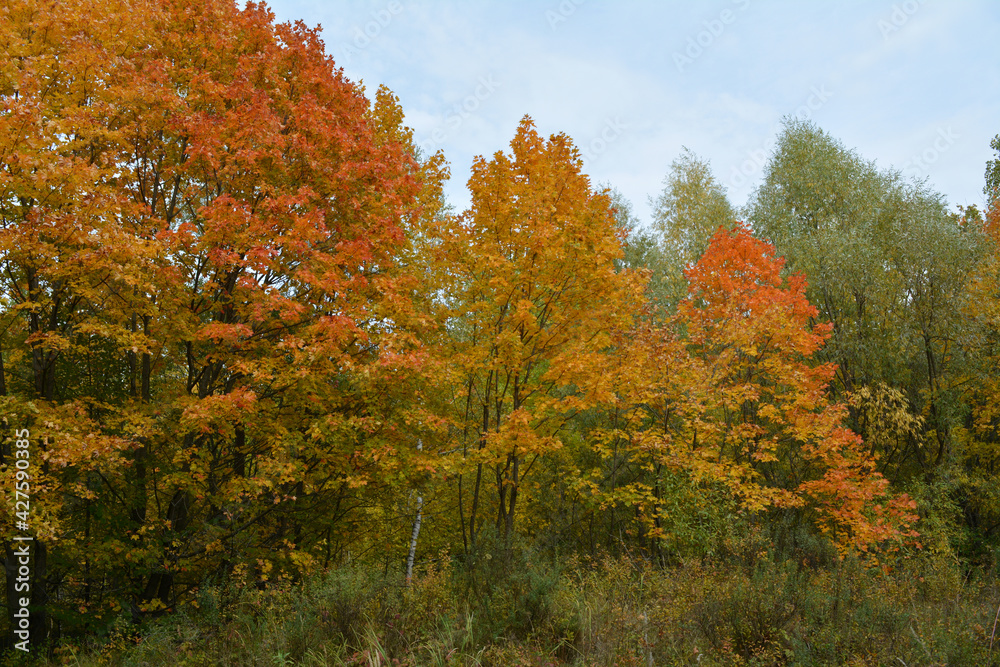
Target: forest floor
{"points": [[522, 609]]}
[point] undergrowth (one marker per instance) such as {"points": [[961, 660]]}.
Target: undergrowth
{"points": [[514, 607]]}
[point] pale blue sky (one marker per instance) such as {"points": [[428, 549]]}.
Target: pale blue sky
{"points": [[913, 85]]}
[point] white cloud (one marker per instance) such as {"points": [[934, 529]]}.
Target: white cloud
{"points": [[888, 91]]}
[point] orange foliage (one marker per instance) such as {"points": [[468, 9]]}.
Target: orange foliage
{"points": [[744, 403], [530, 277], [199, 196]]}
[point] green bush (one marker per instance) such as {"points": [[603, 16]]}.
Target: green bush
{"points": [[510, 606]]}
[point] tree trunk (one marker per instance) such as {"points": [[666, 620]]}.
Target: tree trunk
{"points": [[416, 531]]}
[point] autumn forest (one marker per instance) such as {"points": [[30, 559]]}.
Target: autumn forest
{"points": [[277, 402]]}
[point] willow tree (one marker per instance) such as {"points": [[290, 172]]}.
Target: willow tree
{"points": [[689, 210], [886, 265]]}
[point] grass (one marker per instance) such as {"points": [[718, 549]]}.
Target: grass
{"points": [[521, 609]]}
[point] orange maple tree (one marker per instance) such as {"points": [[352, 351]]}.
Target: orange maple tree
{"points": [[290, 194], [529, 277], [739, 399], [209, 210], [65, 257]]}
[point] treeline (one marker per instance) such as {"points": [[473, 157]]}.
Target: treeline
{"points": [[251, 341]]}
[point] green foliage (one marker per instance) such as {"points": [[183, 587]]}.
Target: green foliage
{"points": [[887, 266], [691, 207], [643, 250], [526, 610], [992, 187]]}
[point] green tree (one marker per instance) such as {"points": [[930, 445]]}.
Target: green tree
{"points": [[886, 265], [642, 251], [689, 210], [992, 187]]}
